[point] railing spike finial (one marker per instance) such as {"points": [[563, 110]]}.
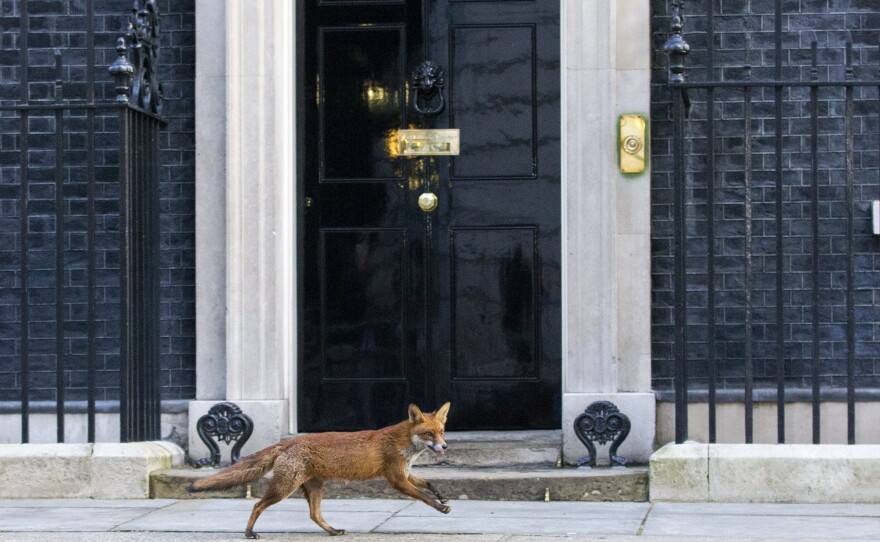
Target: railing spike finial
{"points": [[676, 46], [122, 70], [747, 67], [814, 61], [142, 35], [849, 74]]}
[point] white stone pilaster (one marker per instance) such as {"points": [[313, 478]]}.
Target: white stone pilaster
{"points": [[247, 236], [606, 220], [210, 200], [259, 179]]}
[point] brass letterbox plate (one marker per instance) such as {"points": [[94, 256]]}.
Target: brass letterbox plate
{"points": [[428, 142]]}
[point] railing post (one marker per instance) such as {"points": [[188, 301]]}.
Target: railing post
{"points": [[59, 252], [139, 229], [24, 217], [748, 370], [816, 364], [676, 47], [850, 251]]}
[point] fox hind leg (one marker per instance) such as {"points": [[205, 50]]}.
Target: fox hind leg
{"points": [[314, 491], [279, 489]]}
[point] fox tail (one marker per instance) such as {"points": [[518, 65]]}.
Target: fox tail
{"points": [[248, 469]]}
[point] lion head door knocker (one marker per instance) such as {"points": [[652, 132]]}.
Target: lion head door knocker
{"points": [[427, 82], [602, 421]]}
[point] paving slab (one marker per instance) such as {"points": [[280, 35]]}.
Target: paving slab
{"points": [[547, 510], [78, 519], [761, 527], [232, 521], [565, 518], [356, 537], [395, 520], [85, 503], [527, 525], [269, 537], [765, 509]]}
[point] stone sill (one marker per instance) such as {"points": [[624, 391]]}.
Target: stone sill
{"points": [[175, 406], [768, 473], [92, 471]]}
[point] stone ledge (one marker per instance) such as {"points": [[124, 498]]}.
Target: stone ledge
{"points": [[101, 470], [628, 484], [780, 473]]}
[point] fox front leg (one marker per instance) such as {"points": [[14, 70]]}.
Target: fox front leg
{"points": [[421, 483], [409, 489]]}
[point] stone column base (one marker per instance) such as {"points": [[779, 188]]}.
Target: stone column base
{"points": [[270, 425], [639, 407]]}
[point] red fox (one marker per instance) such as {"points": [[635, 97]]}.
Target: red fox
{"points": [[308, 460]]}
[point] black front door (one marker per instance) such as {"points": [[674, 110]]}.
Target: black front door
{"points": [[461, 303]]}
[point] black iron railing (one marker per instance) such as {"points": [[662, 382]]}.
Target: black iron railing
{"points": [[139, 261], [90, 212], [825, 252]]}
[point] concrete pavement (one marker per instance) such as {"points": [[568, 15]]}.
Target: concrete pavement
{"points": [[220, 520]]}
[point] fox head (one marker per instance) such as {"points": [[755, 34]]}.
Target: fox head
{"points": [[428, 429]]}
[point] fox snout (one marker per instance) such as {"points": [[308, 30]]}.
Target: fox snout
{"points": [[438, 446]]}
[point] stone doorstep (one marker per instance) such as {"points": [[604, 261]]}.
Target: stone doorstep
{"points": [[96, 471], [766, 473], [629, 484], [484, 449], [501, 449], [481, 465]]}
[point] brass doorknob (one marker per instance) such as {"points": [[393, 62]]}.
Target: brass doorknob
{"points": [[427, 202]]}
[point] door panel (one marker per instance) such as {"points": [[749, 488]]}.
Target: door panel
{"points": [[492, 91], [461, 304], [362, 78], [494, 306], [363, 303]]}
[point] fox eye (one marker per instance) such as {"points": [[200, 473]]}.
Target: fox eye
{"points": [[427, 434]]}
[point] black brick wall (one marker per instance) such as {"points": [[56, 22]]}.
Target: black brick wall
{"points": [[62, 24], [742, 25]]}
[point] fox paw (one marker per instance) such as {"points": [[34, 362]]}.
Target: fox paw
{"points": [[251, 535], [337, 532], [444, 509], [443, 501]]}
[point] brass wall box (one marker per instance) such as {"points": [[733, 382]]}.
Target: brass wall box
{"points": [[632, 130], [443, 142]]}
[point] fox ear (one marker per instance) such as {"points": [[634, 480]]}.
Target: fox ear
{"points": [[415, 415], [441, 413]]}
